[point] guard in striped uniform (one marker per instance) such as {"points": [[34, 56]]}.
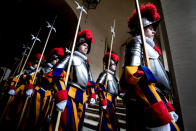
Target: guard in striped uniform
{"points": [[146, 108], [108, 95], [23, 89], [71, 100], [42, 101]]}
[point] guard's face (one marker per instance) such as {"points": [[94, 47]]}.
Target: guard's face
{"points": [[55, 61], [83, 48], [113, 67], [35, 65], [149, 32]]}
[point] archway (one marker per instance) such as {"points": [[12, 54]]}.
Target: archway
{"points": [[23, 18]]}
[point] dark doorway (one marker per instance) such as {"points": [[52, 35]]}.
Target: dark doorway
{"points": [[21, 18]]}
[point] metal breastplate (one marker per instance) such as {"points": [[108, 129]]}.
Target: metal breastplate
{"points": [[37, 76], [112, 83], [133, 57], [28, 71], [46, 69], [157, 68], [133, 53], [80, 72]]}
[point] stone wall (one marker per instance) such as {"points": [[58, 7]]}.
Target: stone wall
{"points": [[180, 18]]}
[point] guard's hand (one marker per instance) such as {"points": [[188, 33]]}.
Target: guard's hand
{"points": [[61, 106], [11, 92], [122, 95], [29, 92], [104, 107], [173, 116], [92, 101], [139, 73], [104, 104]]}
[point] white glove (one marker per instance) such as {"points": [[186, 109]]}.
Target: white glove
{"points": [[104, 107], [160, 128], [173, 116], [61, 105], [92, 101], [29, 92], [122, 94], [11, 92]]}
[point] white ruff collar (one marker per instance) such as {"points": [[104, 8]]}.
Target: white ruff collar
{"points": [[111, 72], [77, 53], [148, 40], [50, 65], [152, 53], [32, 68]]}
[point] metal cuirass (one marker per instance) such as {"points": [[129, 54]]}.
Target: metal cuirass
{"points": [[80, 72], [46, 69], [157, 68], [112, 83], [133, 53], [29, 70]]}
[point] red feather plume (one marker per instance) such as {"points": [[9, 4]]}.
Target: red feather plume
{"points": [[148, 11], [58, 51], [38, 56], [87, 34], [29, 63], [113, 57]]}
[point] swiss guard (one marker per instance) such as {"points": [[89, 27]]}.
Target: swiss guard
{"points": [[42, 99], [31, 67], [55, 55], [108, 95], [71, 100], [147, 106], [20, 88]]}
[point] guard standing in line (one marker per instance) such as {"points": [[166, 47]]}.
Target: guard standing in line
{"points": [[71, 100], [108, 95], [146, 109]]}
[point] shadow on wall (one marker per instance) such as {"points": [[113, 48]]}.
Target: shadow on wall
{"points": [[23, 18]]}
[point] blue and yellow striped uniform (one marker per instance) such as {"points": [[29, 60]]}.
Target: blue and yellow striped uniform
{"points": [[143, 92], [73, 116]]}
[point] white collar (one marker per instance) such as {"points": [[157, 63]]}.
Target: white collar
{"points": [[80, 55], [152, 53], [148, 40], [111, 72], [50, 65], [32, 68]]}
